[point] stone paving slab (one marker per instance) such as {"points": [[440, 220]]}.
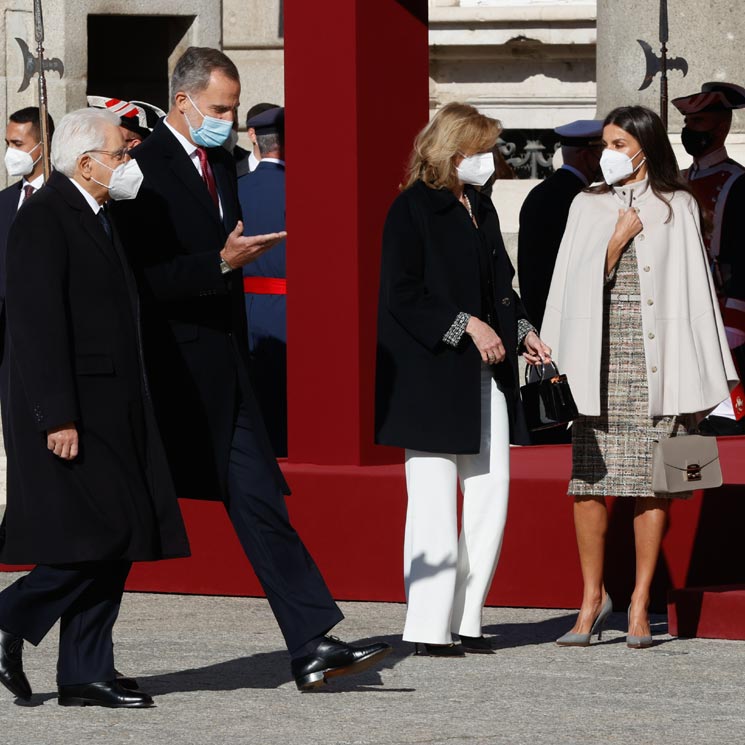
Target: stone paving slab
{"points": [[220, 674]]}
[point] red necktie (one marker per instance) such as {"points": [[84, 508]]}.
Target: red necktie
{"points": [[207, 175], [28, 190]]}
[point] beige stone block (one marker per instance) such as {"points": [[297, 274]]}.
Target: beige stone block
{"points": [[250, 24], [262, 77]]}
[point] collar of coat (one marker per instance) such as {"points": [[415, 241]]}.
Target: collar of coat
{"points": [[443, 199]]}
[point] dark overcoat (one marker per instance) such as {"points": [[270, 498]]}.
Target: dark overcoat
{"points": [[543, 218], [9, 198], [75, 356], [194, 320], [428, 394]]}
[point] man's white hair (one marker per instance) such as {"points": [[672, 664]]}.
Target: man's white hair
{"points": [[78, 132]]}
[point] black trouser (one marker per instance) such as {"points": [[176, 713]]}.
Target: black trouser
{"points": [[85, 598], [295, 589]]}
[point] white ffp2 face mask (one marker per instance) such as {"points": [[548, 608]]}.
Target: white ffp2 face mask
{"points": [[125, 180], [19, 162], [616, 166], [476, 169]]}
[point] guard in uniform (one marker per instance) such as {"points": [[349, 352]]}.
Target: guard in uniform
{"points": [[719, 186], [262, 197], [543, 218], [136, 118]]}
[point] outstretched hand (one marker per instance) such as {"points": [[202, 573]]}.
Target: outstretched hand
{"points": [[240, 249]]}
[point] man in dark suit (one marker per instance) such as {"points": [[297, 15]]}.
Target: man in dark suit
{"points": [[189, 259], [89, 489], [262, 198], [22, 158], [543, 218]]}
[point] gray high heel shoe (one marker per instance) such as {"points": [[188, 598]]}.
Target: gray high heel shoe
{"points": [[583, 640], [637, 642]]}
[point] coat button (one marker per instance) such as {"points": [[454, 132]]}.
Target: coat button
{"points": [[494, 252], [505, 301], [646, 268], [654, 369], [650, 335], [650, 301]]}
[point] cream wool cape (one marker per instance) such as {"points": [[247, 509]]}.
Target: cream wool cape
{"points": [[689, 365]]}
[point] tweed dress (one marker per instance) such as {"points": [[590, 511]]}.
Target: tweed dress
{"points": [[612, 453]]}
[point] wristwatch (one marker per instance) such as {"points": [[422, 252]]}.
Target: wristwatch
{"points": [[225, 268]]}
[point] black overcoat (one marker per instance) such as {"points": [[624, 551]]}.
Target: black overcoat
{"points": [[543, 218], [194, 319], [428, 394], [75, 356]]}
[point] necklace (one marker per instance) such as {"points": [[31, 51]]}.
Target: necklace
{"points": [[466, 202]]}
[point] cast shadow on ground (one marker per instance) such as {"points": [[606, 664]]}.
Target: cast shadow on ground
{"points": [[509, 635], [268, 670]]}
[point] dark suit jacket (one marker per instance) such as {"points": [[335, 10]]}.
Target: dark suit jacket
{"points": [[193, 317], [76, 357], [8, 207], [428, 394], [732, 241], [543, 218]]}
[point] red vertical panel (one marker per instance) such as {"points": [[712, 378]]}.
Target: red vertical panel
{"points": [[356, 88]]}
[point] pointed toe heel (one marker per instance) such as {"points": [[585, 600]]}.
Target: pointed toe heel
{"points": [[571, 639], [637, 642]]}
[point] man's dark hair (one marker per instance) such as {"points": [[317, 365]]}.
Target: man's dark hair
{"points": [[31, 115], [193, 70], [259, 108]]}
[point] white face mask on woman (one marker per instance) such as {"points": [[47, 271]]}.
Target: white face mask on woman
{"points": [[617, 166], [476, 169]]}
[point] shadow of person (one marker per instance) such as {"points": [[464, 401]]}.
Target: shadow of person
{"points": [[509, 635], [264, 670]]}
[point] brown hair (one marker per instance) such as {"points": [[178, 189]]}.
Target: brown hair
{"points": [[455, 128]]}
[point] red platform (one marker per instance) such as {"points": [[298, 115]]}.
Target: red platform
{"points": [[707, 612]]}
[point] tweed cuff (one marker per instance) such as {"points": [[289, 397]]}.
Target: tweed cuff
{"points": [[524, 327], [455, 333]]}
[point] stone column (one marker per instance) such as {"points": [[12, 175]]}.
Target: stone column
{"points": [[708, 35]]}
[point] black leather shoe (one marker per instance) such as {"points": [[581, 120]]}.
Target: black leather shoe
{"points": [[333, 658], [438, 650], [126, 682], [476, 645], [109, 694], [11, 665]]}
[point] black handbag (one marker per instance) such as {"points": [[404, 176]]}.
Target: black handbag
{"points": [[547, 398]]}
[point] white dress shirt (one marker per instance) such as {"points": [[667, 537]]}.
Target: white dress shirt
{"points": [[37, 183]]}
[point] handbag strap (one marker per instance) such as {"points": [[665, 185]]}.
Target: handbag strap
{"points": [[529, 369]]}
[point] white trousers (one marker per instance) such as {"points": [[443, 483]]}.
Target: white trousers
{"points": [[447, 577]]}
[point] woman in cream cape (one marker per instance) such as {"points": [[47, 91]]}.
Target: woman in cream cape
{"points": [[633, 321]]}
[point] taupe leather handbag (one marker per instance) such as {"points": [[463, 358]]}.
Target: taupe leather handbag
{"points": [[685, 463]]}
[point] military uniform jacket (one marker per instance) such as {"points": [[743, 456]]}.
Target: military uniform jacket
{"points": [[75, 356], [428, 394]]}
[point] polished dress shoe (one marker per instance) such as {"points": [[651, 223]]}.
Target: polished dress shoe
{"points": [[438, 650], [571, 639], [333, 658], [125, 681], [11, 665], [109, 694], [476, 644]]}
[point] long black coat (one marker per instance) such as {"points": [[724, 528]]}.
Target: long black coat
{"points": [[543, 218], [8, 207], [194, 319], [75, 356], [428, 394]]}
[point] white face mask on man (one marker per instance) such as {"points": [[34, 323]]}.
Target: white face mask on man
{"points": [[125, 180], [617, 166], [476, 169], [19, 162]]}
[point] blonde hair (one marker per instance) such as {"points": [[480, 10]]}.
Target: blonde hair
{"points": [[455, 128]]}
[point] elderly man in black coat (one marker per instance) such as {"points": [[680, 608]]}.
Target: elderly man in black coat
{"points": [[89, 489]]}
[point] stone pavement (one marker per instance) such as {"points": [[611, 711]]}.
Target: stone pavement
{"points": [[220, 675]]}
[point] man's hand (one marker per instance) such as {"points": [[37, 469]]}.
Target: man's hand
{"points": [[486, 340], [63, 441], [240, 249]]}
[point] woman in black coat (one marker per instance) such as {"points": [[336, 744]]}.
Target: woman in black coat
{"points": [[449, 327]]}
